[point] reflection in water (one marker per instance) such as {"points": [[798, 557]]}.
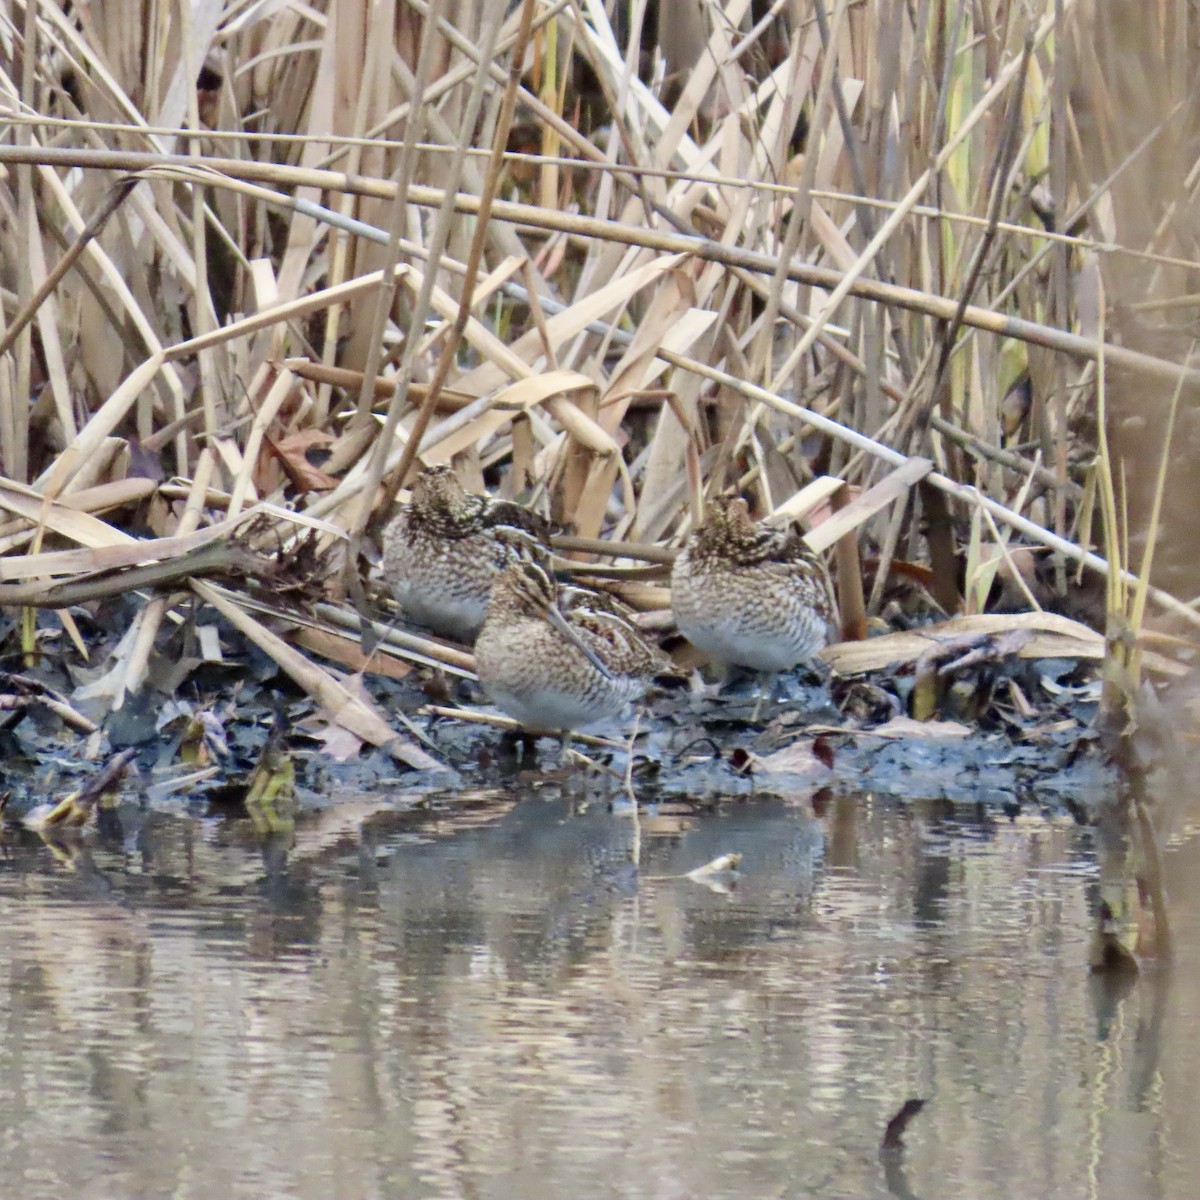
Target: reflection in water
{"points": [[527, 997]]}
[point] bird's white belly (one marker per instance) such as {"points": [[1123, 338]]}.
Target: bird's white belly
{"points": [[550, 710], [457, 617], [757, 649]]}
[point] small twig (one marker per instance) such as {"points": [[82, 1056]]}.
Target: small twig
{"points": [[1005, 457], [68, 715], [475, 717], [422, 650], [56, 702]]}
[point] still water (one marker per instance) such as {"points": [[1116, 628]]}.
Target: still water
{"points": [[523, 995]]}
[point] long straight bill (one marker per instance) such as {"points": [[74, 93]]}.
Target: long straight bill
{"points": [[562, 625]]}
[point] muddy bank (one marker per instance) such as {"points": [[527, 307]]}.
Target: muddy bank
{"points": [[198, 746]]}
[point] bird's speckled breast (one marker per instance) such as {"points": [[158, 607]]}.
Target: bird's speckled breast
{"points": [[545, 683], [766, 620], [439, 583]]}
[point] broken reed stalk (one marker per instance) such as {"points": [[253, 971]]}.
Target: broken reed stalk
{"points": [[423, 651], [449, 352], [353, 712], [379, 465], [530, 216], [224, 558]]}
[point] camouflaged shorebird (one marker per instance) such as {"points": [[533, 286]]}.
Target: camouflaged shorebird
{"points": [[749, 595], [555, 670], [443, 551]]}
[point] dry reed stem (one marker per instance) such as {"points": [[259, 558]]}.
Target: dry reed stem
{"points": [[1054, 636], [907, 298]]}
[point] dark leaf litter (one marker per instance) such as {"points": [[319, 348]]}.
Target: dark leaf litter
{"points": [[689, 746]]}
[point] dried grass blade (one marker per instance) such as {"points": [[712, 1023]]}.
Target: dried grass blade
{"points": [[672, 300], [863, 508], [126, 554], [1054, 637], [570, 322], [811, 496], [511, 402], [103, 421], [80, 527]]}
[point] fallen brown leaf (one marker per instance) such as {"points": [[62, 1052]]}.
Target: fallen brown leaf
{"points": [[292, 455]]}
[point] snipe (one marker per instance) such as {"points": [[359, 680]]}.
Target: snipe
{"points": [[749, 595], [556, 670], [442, 552]]}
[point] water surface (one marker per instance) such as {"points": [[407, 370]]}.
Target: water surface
{"points": [[521, 995]]}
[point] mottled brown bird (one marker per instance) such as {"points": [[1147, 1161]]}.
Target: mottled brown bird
{"points": [[555, 670], [443, 551], [750, 595]]}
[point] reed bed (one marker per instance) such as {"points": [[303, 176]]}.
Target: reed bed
{"points": [[877, 256]]}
